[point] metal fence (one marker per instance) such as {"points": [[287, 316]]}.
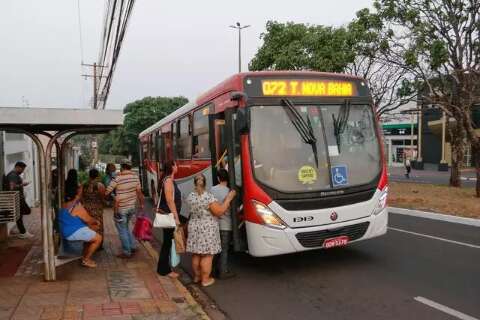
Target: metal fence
{"points": [[9, 206]]}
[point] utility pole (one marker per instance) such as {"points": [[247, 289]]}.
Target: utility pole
{"points": [[96, 79], [239, 28]]}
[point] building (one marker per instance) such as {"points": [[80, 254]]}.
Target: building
{"points": [[400, 131], [402, 127], [435, 140], [16, 147]]}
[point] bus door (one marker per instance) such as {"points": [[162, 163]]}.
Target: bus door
{"points": [[233, 165], [142, 151], [160, 159]]}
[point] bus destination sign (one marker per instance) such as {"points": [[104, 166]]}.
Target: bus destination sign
{"points": [[318, 88]]}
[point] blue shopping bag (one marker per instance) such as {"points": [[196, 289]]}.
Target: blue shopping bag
{"points": [[174, 257]]}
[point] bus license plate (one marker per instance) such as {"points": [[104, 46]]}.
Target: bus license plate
{"points": [[335, 242]]}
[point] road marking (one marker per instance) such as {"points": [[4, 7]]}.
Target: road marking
{"points": [[445, 309], [435, 216], [436, 238]]}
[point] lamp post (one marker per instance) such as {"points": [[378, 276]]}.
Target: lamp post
{"points": [[239, 28]]}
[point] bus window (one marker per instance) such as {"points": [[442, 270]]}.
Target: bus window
{"points": [[168, 140], [174, 139], [183, 139], [144, 151], [151, 147], [201, 144], [160, 147], [220, 145]]}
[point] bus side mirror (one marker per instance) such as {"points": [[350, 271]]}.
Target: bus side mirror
{"points": [[241, 120]]}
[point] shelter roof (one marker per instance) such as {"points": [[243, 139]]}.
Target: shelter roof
{"points": [[59, 119]]}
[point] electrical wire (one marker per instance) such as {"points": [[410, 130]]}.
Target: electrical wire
{"points": [[80, 30], [118, 18], [82, 90]]}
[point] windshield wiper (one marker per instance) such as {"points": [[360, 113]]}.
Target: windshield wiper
{"points": [[340, 123], [303, 127]]}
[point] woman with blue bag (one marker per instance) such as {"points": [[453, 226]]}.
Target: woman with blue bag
{"points": [[170, 201]]}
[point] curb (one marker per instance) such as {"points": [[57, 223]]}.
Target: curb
{"points": [[435, 216], [194, 305]]}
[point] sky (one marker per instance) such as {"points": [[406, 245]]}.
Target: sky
{"points": [[171, 47]]}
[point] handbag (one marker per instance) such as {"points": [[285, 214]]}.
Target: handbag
{"points": [[180, 239], [143, 228], [174, 257], [163, 220]]}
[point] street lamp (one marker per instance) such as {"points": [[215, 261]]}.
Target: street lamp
{"points": [[239, 28]]}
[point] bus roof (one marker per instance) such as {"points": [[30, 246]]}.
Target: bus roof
{"points": [[235, 83]]}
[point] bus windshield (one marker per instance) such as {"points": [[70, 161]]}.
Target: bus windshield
{"points": [[305, 148]]}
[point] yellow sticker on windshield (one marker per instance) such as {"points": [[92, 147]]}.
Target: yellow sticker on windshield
{"points": [[307, 175]]}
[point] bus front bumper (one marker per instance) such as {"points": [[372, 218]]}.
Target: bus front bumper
{"points": [[266, 241]]}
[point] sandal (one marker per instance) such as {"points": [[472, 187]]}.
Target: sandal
{"points": [[89, 264], [208, 283]]}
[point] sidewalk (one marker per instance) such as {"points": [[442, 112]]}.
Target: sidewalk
{"points": [[116, 289]]}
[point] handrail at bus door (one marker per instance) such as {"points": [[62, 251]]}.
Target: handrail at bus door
{"points": [[230, 138]]}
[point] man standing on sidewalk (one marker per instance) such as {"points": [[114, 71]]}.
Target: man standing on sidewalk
{"points": [[15, 183], [128, 196], [220, 191]]}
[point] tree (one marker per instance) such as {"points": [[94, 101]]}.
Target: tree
{"points": [[390, 85], [438, 42], [352, 49], [297, 46], [85, 144], [139, 115]]}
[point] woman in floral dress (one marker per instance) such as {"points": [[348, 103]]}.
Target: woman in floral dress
{"points": [[93, 197], [203, 229]]}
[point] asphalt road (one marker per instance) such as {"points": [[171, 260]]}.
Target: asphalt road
{"points": [[374, 279], [430, 176]]}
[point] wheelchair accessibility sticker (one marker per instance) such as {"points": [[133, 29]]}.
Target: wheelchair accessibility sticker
{"points": [[339, 175]]}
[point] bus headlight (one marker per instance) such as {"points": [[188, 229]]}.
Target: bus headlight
{"points": [[382, 201], [268, 217]]}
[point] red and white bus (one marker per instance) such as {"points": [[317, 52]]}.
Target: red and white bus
{"points": [[303, 150]]}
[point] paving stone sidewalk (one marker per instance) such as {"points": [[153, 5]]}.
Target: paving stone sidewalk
{"points": [[116, 289]]}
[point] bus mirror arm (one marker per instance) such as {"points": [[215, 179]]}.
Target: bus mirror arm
{"points": [[238, 95], [241, 121]]}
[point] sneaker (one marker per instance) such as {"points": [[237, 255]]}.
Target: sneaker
{"points": [[226, 275], [26, 235]]}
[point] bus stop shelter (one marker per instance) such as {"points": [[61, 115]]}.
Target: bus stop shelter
{"points": [[59, 125]]}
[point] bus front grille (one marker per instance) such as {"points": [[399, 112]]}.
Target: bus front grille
{"points": [[316, 238]]}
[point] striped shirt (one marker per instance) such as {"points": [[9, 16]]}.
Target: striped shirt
{"points": [[125, 186]]}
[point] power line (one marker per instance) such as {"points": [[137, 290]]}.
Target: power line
{"points": [[115, 28], [80, 30], [115, 21], [82, 95]]}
